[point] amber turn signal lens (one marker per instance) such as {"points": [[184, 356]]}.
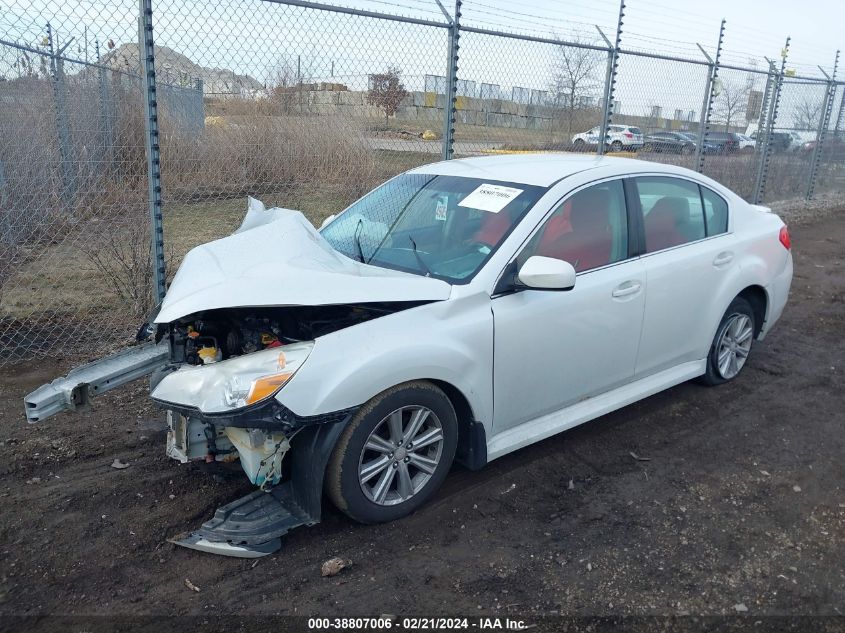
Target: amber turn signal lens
{"points": [[266, 386]]}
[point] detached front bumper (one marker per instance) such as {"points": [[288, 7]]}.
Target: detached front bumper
{"points": [[253, 525]]}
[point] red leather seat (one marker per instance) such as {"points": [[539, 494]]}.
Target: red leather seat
{"points": [[557, 226], [493, 228], [662, 224], [590, 242]]}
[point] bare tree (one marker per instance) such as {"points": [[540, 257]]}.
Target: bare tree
{"points": [[730, 103], [285, 83], [387, 91], [574, 80], [808, 114]]}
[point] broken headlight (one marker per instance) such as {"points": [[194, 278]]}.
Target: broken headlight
{"points": [[234, 383]]}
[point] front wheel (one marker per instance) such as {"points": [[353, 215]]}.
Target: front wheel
{"points": [[616, 146], [732, 345], [394, 454]]}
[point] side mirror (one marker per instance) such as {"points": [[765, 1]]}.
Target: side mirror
{"points": [[328, 220], [547, 273]]}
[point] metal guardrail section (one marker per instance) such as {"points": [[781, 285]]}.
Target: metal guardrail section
{"points": [[83, 383]]}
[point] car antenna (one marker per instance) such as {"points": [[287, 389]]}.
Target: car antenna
{"points": [[357, 236], [420, 261]]}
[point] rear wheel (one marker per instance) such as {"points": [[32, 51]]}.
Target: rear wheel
{"points": [[395, 453], [579, 144], [687, 150], [732, 344]]}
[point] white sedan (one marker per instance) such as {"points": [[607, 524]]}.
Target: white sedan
{"points": [[458, 312]]}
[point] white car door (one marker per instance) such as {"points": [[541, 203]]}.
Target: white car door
{"points": [[687, 254], [554, 348]]}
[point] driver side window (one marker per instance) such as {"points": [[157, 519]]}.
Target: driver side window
{"points": [[589, 229]]}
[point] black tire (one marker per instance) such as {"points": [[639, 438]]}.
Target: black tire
{"points": [[648, 147], [342, 477], [686, 150], [616, 146], [579, 144], [738, 307]]}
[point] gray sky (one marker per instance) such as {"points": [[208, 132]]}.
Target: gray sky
{"points": [[255, 37]]}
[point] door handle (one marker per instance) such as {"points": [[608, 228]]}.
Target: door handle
{"points": [[723, 259], [626, 289]]}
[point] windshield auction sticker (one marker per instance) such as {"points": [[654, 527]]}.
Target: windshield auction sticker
{"points": [[492, 198]]}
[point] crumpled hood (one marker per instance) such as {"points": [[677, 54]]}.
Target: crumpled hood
{"points": [[277, 258]]}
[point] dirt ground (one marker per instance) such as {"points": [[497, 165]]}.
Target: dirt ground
{"points": [[736, 502]]}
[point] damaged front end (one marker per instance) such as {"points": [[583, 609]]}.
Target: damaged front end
{"points": [[239, 319], [225, 369]]}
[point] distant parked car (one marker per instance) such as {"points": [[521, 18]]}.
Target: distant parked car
{"points": [[669, 142], [681, 142], [833, 148], [747, 145], [619, 137], [725, 142], [709, 147], [780, 141]]}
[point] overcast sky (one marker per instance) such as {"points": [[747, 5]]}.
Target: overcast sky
{"points": [[255, 37]]}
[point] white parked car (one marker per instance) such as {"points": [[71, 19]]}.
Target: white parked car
{"points": [[458, 312], [619, 138], [747, 145]]}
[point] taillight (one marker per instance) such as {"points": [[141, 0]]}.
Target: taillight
{"points": [[629, 135], [783, 236]]}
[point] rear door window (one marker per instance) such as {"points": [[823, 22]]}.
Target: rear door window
{"points": [[672, 211]]}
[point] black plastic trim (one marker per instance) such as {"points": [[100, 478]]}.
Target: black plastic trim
{"points": [[270, 416], [472, 446]]}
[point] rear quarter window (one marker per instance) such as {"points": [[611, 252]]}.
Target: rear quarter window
{"points": [[715, 212]]}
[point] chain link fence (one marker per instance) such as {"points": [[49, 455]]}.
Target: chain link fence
{"points": [[308, 106]]}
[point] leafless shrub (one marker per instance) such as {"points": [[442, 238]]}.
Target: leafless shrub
{"points": [[120, 252], [243, 155]]}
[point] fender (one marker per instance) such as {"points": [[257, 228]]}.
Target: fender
{"points": [[751, 270], [397, 348]]}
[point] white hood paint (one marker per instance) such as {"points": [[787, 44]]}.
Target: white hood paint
{"points": [[277, 258]]}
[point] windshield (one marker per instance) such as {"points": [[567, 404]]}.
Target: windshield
{"points": [[439, 226], [689, 135]]}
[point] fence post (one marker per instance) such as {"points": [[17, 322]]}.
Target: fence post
{"points": [[57, 75], [707, 104], [824, 122], [838, 125], [106, 116], [451, 96], [151, 142], [766, 154], [759, 145], [610, 82], [5, 218]]}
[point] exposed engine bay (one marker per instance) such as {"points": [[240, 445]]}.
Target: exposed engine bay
{"points": [[213, 336], [216, 335]]}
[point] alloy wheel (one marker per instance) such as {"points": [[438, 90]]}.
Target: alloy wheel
{"points": [[400, 455], [734, 345]]}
